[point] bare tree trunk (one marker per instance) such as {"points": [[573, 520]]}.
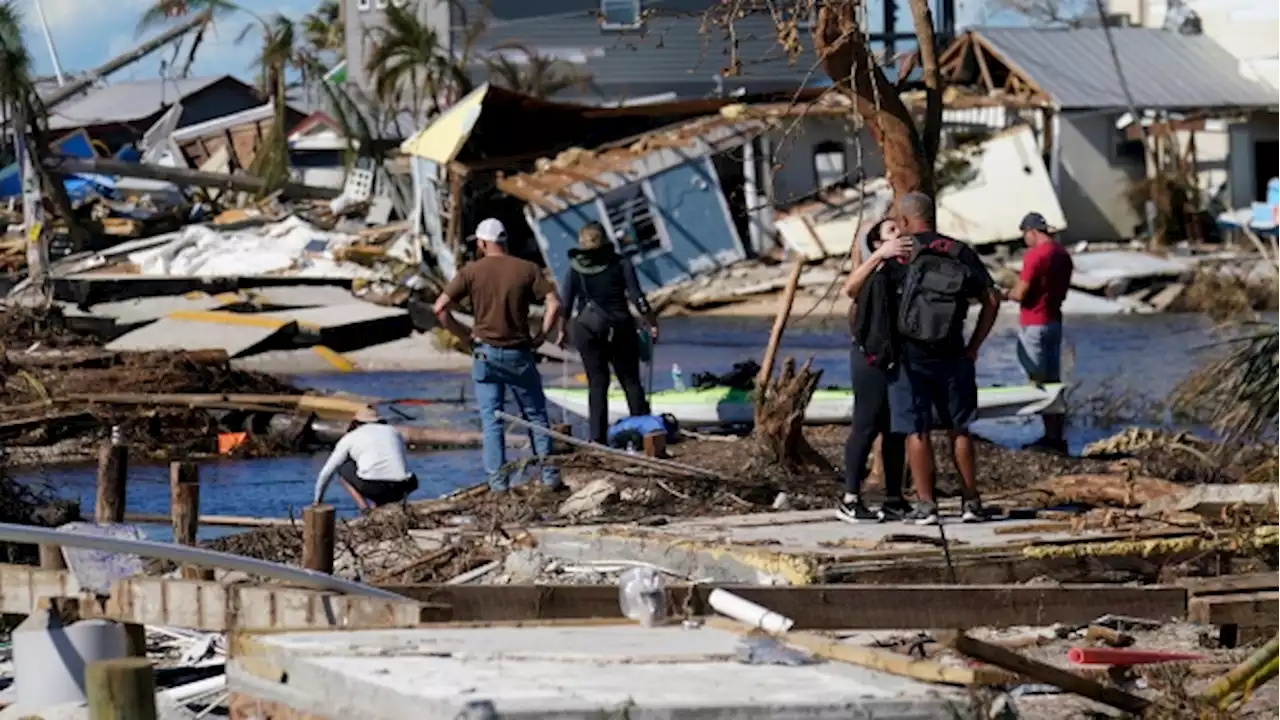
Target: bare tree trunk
{"points": [[779, 419], [847, 60], [932, 131]]}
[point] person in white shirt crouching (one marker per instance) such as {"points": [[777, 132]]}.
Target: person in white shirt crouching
{"points": [[370, 463]]}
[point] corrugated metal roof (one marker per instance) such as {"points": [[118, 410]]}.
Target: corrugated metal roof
{"points": [[672, 53], [1164, 69], [123, 102]]}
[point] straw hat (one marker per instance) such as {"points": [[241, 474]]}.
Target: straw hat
{"points": [[366, 414]]}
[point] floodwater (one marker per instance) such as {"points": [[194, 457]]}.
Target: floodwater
{"points": [[1143, 354]]}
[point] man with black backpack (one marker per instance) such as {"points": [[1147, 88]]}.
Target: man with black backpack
{"points": [[935, 371]]}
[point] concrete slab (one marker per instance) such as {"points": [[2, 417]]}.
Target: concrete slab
{"points": [[796, 548], [236, 334], [349, 326], [562, 672], [303, 296], [416, 353]]}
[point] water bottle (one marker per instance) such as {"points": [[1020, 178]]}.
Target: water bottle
{"points": [[677, 377]]}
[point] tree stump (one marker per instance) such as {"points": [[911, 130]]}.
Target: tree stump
{"points": [[779, 419]]}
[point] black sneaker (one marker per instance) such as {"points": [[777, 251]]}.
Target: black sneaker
{"points": [[924, 513], [855, 512], [973, 511], [1048, 445], [894, 509]]}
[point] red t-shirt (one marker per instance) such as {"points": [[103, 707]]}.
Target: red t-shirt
{"points": [[1046, 268]]}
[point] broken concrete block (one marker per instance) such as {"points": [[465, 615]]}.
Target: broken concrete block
{"points": [[591, 500]]}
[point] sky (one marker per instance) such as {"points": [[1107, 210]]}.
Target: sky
{"points": [[88, 32]]}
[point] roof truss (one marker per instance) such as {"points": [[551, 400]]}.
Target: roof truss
{"points": [[972, 61]]}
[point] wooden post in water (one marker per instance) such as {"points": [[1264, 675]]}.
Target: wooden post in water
{"points": [[317, 538], [184, 511], [113, 470], [122, 689], [51, 558]]}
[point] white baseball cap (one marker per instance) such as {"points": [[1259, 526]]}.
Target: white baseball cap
{"points": [[491, 230]]}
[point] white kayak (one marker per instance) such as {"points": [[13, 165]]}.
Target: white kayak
{"points": [[727, 406]]}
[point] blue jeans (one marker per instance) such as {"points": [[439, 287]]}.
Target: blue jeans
{"points": [[492, 372]]}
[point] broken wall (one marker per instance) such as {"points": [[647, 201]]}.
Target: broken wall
{"points": [[802, 154], [673, 224], [1252, 143], [1097, 168]]}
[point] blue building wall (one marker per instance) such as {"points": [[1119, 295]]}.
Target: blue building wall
{"points": [[699, 232], [687, 202]]}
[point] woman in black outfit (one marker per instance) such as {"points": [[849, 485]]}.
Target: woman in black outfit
{"points": [[873, 285], [596, 288]]}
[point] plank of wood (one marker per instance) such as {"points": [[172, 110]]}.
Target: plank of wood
{"points": [[1041, 672], [825, 607], [873, 658], [1225, 584], [211, 606], [1258, 609]]}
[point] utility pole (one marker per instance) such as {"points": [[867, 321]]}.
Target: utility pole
{"points": [[48, 41], [32, 209]]}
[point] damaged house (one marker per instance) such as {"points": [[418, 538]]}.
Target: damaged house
{"points": [[1062, 82], [468, 165]]}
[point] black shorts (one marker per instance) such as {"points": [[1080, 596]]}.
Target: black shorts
{"points": [[932, 394], [378, 492]]}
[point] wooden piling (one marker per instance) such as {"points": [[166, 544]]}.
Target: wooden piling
{"points": [[51, 558], [184, 511], [317, 538], [655, 444], [113, 470], [122, 689]]}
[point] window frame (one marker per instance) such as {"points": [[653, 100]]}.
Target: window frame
{"points": [[825, 148], [606, 24], [640, 254]]}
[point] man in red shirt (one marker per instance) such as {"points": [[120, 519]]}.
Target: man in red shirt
{"points": [[1041, 289]]}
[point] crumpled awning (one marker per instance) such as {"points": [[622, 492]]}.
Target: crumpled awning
{"points": [[443, 138]]}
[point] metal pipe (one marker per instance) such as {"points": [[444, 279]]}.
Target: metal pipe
{"points": [[191, 556]]}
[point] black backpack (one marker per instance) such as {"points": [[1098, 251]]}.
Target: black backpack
{"points": [[933, 290]]}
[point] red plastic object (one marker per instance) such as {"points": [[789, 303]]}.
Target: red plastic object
{"points": [[1126, 656]]}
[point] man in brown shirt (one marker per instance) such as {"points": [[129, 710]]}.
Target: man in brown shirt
{"points": [[501, 288]]}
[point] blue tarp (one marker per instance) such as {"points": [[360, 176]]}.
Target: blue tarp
{"points": [[76, 144]]}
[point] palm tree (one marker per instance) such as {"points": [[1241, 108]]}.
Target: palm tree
{"points": [[278, 55], [322, 29], [163, 11], [537, 75], [410, 65]]}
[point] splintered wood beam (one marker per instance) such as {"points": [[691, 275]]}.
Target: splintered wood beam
{"points": [[873, 658], [822, 607]]}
